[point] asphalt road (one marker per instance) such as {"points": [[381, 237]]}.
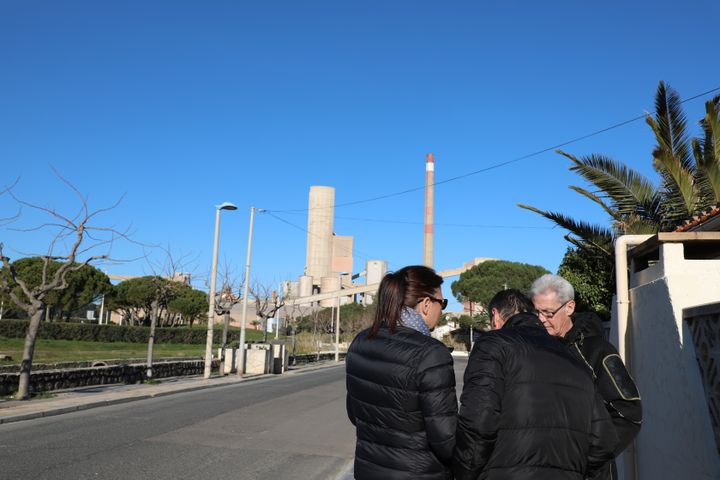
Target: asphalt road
{"points": [[287, 428]]}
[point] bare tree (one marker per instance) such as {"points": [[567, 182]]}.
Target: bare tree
{"points": [[71, 235], [267, 304], [295, 312], [163, 293], [224, 301]]}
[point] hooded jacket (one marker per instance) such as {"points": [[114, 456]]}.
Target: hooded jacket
{"points": [[614, 384], [529, 409], [401, 399]]}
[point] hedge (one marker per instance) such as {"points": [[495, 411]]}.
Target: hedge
{"points": [[112, 333]]}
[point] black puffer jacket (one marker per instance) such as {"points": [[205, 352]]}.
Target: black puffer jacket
{"points": [[401, 399], [613, 382], [529, 409]]}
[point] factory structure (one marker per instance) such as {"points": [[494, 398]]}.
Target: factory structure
{"points": [[329, 263], [329, 259]]}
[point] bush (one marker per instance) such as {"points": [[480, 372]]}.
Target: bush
{"points": [[113, 333]]}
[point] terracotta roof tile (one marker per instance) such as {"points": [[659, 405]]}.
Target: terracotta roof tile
{"points": [[699, 219]]}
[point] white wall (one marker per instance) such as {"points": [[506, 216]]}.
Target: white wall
{"points": [[676, 439]]}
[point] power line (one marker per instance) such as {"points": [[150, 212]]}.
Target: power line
{"points": [[497, 165], [362, 255], [407, 222]]}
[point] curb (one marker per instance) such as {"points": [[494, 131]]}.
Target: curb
{"points": [[347, 473], [192, 388]]}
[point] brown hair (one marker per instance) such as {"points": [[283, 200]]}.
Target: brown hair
{"points": [[404, 288]]}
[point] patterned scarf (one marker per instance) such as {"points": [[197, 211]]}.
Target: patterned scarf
{"points": [[412, 319]]}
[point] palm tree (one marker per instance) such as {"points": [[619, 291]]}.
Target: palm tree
{"points": [[689, 173]]}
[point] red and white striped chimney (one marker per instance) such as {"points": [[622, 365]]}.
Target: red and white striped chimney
{"points": [[429, 210]]}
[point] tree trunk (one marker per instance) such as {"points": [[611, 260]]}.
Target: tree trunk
{"points": [[293, 344], [28, 352], [151, 340], [264, 324], [226, 324], [316, 340]]}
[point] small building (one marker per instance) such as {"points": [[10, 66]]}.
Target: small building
{"points": [[672, 349]]}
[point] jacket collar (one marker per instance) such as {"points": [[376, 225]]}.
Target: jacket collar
{"points": [[524, 320], [585, 324]]}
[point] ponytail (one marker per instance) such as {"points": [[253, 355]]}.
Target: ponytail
{"points": [[404, 288], [390, 301]]}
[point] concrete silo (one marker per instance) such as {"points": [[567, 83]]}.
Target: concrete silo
{"points": [[321, 208], [327, 285], [375, 270], [305, 286]]}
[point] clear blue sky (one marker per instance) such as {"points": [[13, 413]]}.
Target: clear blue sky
{"points": [[182, 105]]}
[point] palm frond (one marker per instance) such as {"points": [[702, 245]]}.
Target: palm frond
{"points": [[630, 191], [707, 153], [601, 250], [613, 213], [596, 235], [681, 190], [672, 156], [637, 225], [670, 125]]}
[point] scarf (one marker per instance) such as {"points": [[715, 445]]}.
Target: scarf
{"points": [[412, 319]]}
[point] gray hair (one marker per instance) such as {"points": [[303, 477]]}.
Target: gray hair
{"points": [[553, 283]]}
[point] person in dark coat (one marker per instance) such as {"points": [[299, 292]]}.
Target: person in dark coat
{"points": [[529, 409], [401, 384], [553, 297]]}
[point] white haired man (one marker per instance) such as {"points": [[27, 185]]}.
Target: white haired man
{"points": [[554, 300]]}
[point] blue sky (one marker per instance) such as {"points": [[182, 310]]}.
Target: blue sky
{"points": [[181, 105]]}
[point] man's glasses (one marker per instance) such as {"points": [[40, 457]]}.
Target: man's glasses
{"points": [[551, 313], [443, 302]]}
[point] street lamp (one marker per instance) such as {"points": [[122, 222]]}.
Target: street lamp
{"points": [[337, 320], [241, 350], [213, 278]]}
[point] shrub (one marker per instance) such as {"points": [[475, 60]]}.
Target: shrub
{"points": [[113, 333]]}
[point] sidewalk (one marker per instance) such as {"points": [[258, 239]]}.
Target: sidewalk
{"points": [[84, 398]]}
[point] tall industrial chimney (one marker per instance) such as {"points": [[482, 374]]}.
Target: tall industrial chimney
{"points": [[429, 210], [321, 208]]}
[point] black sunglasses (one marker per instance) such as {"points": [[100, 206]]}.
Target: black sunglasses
{"points": [[443, 302]]}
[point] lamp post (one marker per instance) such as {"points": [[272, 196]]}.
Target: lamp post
{"points": [[213, 278], [337, 321], [241, 350]]}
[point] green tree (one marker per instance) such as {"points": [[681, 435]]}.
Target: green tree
{"points": [[139, 299], [593, 279], [476, 322], [133, 299], [480, 283], [355, 317], [190, 303], [84, 286]]}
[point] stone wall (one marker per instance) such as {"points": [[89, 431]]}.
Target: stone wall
{"points": [[313, 357], [87, 364], [48, 380]]}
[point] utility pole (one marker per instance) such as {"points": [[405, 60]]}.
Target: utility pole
{"points": [[337, 332], [277, 320], [241, 350], [472, 343], [102, 310]]}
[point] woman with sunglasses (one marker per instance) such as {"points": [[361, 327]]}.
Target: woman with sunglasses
{"points": [[401, 384]]}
